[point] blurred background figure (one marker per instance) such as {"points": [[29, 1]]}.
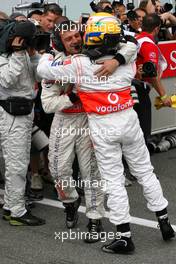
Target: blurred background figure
{"points": [[36, 15], [119, 10], [148, 6], [51, 13], [141, 14], [164, 11], [18, 66], [47, 20], [102, 6], [3, 16], [18, 16]]}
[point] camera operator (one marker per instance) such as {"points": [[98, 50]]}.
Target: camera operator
{"points": [[149, 53], [18, 62]]}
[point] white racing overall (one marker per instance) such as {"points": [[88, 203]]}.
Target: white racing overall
{"points": [[114, 128], [17, 77]]}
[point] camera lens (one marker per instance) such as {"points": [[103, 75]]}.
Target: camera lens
{"points": [[149, 69]]}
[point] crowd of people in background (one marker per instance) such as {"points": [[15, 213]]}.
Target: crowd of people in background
{"points": [[34, 111]]}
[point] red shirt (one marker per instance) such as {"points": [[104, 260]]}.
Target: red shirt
{"points": [[148, 51]]}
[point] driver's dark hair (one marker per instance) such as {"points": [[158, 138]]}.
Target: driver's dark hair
{"points": [[100, 5], [150, 22]]}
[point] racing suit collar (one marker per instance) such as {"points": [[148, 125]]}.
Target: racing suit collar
{"points": [[146, 34]]}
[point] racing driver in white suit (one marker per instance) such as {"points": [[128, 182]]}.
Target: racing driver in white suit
{"points": [[114, 128], [70, 134]]}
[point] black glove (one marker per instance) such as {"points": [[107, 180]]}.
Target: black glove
{"points": [[120, 58], [73, 97]]}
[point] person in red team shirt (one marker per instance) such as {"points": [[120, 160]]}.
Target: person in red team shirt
{"points": [[149, 52]]}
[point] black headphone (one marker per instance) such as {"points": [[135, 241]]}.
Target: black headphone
{"points": [[57, 42], [56, 37]]}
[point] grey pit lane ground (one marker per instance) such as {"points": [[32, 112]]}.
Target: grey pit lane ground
{"points": [[37, 245]]}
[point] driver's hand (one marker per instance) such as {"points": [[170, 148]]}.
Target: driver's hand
{"points": [[108, 67]]}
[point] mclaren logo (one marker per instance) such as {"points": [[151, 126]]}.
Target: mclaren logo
{"points": [[113, 98]]}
